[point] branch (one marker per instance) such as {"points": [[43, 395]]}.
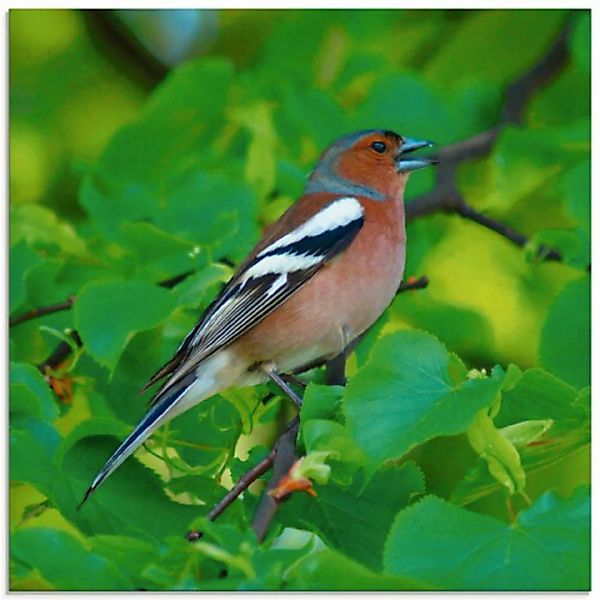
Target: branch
{"points": [[413, 283], [285, 457], [278, 458], [468, 212], [519, 93], [445, 196], [67, 304], [34, 313], [241, 486], [60, 353]]}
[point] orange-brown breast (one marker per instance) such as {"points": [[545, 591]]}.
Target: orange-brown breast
{"points": [[342, 299]]}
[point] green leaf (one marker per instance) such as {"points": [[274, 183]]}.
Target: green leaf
{"points": [[465, 331], [546, 548], [30, 393], [175, 126], [21, 260], [326, 435], [40, 226], [565, 340], [424, 110], [548, 106], [566, 241], [129, 554], [158, 252], [412, 390], [320, 401], [578, 194], [524, 160], [574, 243], [146, 352], [538, 395], [205, 435], [202, 287], [580, 42], [255, 455], [500, 454], [312, 115], [478, 45], [103, 426], [132, 501], [107, 315], [44, 283], [355, 520], [329, 570], [65, 562], [546, 420], [548, 444], [32, 448], [166, 169]]}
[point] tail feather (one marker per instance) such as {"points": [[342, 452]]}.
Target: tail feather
{"points": [[160, 412]]}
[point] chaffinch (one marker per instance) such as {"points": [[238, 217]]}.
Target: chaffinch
{"points": [[320, 276]]}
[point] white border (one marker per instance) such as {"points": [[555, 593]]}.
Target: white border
{"points": [[274, 4]]}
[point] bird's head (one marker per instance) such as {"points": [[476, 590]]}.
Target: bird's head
{"points": [[375, 163]]}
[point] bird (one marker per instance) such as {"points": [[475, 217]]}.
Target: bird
{"points": [[321, 275]]}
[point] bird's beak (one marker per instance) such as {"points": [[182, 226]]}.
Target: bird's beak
{"points": [[406, 164]]}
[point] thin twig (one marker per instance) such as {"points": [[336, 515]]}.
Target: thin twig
{"points": [[41, 311], [285, 457], [60, 353], [445, 196], [519, 93], [171, 282], [468, 212], [243, 483], [246, 480], [413, 283], [67, 304]]}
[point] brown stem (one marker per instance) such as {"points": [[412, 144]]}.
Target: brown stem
{"points": [[519, 93], [60, 353], [277, 458], [468, 212], [67, 304], [242, 485], [171, 282], [285, 457], [445, 196], [413, 283], [41, 311]]}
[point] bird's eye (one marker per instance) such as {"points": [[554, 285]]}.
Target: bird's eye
{"points": [[379, 147]]}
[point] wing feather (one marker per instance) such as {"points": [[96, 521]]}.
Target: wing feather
{"points": [[265, 282]]}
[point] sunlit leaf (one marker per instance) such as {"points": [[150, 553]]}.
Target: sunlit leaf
{"points": [[411, 390]]}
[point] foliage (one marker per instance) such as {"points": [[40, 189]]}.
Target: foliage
{"points": [[457, 457]]}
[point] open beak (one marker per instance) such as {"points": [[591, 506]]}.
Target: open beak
{"points": [[406, 164]]}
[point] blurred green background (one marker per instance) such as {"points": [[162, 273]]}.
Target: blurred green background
{"points": [[144, 144]]}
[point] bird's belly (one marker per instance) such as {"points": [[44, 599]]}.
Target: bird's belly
{"points": [[339, 303]]}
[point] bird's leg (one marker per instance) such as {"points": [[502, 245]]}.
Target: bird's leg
{"points": [[283, 385], [290, 378]]}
